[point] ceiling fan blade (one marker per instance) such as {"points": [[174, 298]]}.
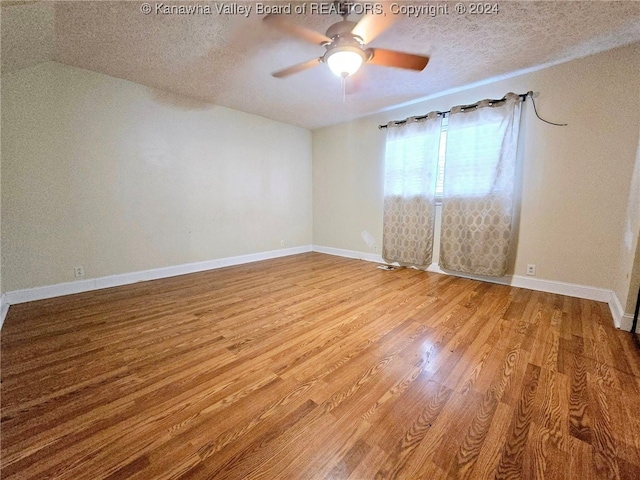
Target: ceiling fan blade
{"points": [[297, 68], [301, 32], [372, 24], [391, 58]]}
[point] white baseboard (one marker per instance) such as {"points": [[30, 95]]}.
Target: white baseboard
{"points": [[622, 320], [530, 283], [617, 312], [538, 284], [562, 288], [340, 252], [626, 322], [50, 291]]}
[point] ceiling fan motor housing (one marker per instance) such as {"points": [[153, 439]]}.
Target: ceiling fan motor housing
{"points": [[346, 51], [345, 54]]}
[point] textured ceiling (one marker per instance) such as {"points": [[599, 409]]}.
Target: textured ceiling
{"points": [[227, 59]]}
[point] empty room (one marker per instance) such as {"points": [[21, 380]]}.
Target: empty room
{"points": [[319, 240]]}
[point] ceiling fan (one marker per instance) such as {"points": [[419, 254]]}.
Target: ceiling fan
{"points": [[345, 43]]}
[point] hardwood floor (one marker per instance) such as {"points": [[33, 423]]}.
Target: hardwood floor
{"points": [[315, 366]]}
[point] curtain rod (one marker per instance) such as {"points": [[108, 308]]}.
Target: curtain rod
{"points": [[523, 96]]}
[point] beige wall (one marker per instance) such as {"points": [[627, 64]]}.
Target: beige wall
{"points": [[116, 177], [575, 178]]}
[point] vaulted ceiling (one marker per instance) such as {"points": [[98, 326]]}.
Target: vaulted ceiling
{"points": [[227, 59]]}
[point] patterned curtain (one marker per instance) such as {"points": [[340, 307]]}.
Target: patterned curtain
{"points": [[479, 181], [411, 161]]}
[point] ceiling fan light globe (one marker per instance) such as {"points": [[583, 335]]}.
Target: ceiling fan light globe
{"points": [[344, 62]]}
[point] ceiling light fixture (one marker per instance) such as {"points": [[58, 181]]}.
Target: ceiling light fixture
{"points": [[345, 60]]}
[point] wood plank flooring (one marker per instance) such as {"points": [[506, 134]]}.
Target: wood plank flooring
{"points": [[314, 366]]}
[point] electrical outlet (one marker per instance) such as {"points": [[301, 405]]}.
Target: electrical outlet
{"points": [[375, 248], [531, 269], [282, 243], [78, 271]]}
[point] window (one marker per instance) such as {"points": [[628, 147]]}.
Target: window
{"points": [[410, 159], [478, 153], [406, 160], [404, 171], [411, 165], [475, 151]]}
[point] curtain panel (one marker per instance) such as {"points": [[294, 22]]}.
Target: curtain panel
{"points": [[411, 161], [478, 190]]}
